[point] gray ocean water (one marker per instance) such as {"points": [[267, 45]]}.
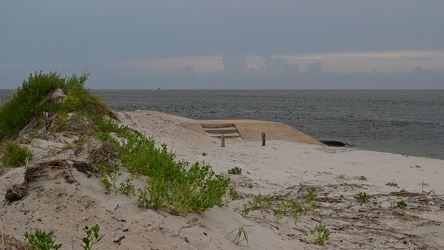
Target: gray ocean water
{"points": [[409, 122]]}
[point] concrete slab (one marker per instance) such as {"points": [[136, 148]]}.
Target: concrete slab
{"points": [[251, 130]]}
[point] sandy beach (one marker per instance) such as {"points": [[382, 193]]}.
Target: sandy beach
{"points": [[281, 167]]}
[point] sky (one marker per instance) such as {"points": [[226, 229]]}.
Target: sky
{"points": [[226, 44]]}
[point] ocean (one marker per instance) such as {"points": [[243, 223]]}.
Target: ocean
{"points": [[409, 122]]}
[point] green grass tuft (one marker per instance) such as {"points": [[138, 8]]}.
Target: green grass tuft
{"points": [[15, 155], [173, 186], [41, 240], [33, 98]]}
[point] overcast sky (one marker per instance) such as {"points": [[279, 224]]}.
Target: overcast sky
{"points": [[209, 44]]}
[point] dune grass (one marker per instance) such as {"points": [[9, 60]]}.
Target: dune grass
{"points": [[14, 155], [174, 186], [33, 98]]}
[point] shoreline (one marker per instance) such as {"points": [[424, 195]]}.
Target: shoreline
{"points": [[420, 139]]}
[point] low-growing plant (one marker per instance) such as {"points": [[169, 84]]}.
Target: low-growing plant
{"points": [[92, 237], [143, 198], [17, 112], [280, 205], [113, 177], [320, 234], [238, 235], [363, 197], [34, 97], [246, 209], [311, 196], [41, 240], [260, 201], [401, 204], [107, 184], [60, 122], [81, 140], [303, 231], [103, 136], [234, 195], [127, 187], [110, 174], [15, 155], [378, 204], [176, 187], [235, 170], [295, 208], [278, 214]]}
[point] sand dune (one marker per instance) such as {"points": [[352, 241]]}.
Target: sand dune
{"points": [[282, 167]]}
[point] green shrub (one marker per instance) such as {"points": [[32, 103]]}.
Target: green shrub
{"points": [[41, 240], [127, 187], [320, 234], [24, 104], [401, 204], [92, 237], [234, 195], [174, 186], [363, 197], [235, 170], [34, 97], [15, 155], [195, 189]]}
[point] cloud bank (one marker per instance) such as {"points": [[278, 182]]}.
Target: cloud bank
{"points": [[226, 44]]}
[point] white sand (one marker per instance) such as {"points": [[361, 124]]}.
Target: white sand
{"points": [[337, 175]]}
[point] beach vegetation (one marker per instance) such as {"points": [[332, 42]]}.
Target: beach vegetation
{"points": [[320, 234], [173, 186], [54, 104], [234, 195], [311, 197], [109, 175], [363, 197], [107, 184], [15, 155], [34, 99], [235, 170], [127, 188], [41, 240], [280, 205], [92, 237], [238, 235], [17, 112], [401, 204]]}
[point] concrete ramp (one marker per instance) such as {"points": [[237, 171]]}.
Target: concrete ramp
{"points": [[251, 130]]}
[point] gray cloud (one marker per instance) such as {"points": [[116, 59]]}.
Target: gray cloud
{"points": [[278, 74], [69, 36]]}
